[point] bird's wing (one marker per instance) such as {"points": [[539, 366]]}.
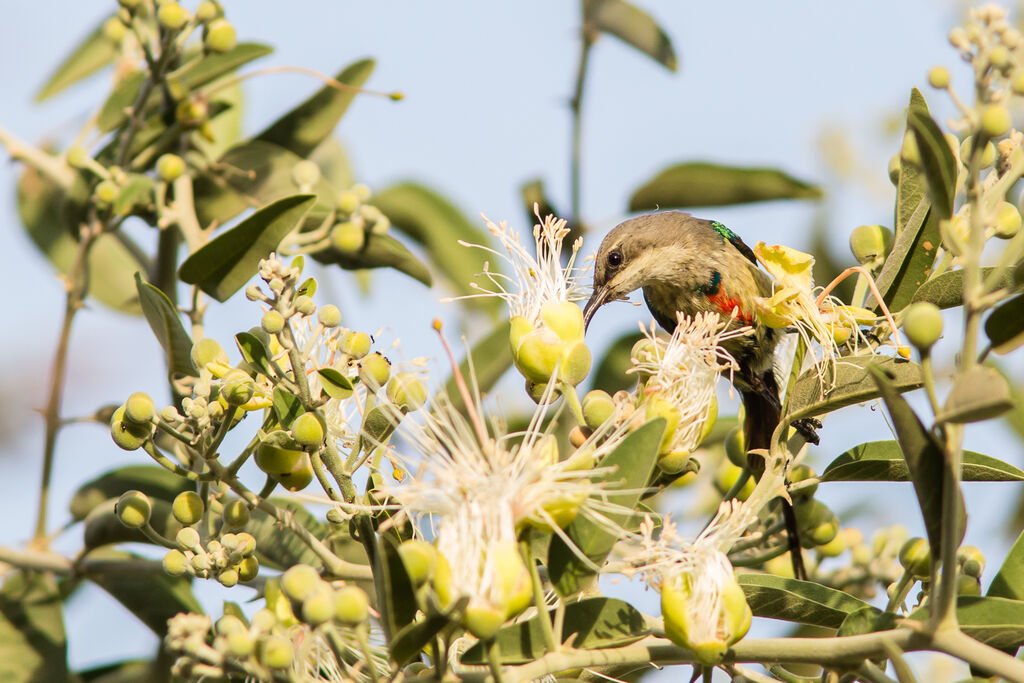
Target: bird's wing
{"points": [[734, 239]]}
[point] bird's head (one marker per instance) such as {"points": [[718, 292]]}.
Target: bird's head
{"points": [[640, 252]]}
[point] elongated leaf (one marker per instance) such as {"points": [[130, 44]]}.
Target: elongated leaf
{"points": [[91, 55], [221, 267], [277, 549], [1009, 580], [598, 623], [491, 357], [408, 643], [33, 645], [536, 200], [815, 396], [287, 407], [303, 128], [911, 187], [997, 622], [437, 224], [165, 322], [153, 480], [924, 458], [803, 602], [335, 384], [633, 26], [632, 464], [254, 351], [937, 160], [947, 290], [395, 593], [1005, 325], [978, 394], [153, 598], [213, 65], [706, 184], [610, 374], [379, 251], [883, 461], [114, 111]]}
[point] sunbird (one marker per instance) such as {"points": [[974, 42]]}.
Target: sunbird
{"points": [[693, 265]]}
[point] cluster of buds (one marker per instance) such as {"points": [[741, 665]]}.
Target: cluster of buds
{"points": [[133, 422], [229, 559], [356, 219]]}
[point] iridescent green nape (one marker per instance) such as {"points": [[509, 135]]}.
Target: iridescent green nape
{"points": [[725, 232]]}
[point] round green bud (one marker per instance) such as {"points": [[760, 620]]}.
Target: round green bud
{"points": [[803, 473], [308, 431], [318, 607], [188, 507], [236, 514], [419, 558], [107, 192], [1006, 221], [248, 568], [277, 454], [229, 624], [77, 156], [824, 533], [304, 304], [598, 408], [263, 621], [576, 364], [916, 557], [245, 544], [988, 155], [299, 477], [727, 475], [134, 509], [139, 408], [276, 652], [300, 581], [958, 37], [305, 173], [187, 538], [811, 514], [191, 112], [736, 447], [870, 244], [347, 202], [374, 370], [175, 563], [967, 585], [995, 120], [228, 577], [171, 16], [971, 559], [237, 388], [1017, 82], [330, 316], [207, 11], [114, 30], [170, 167], [834, 548], [922, 323], [362, 192], [208, 350], [894, 169], [674, 462], [999, 57], [272, 322], [347, 237], [537, 390], [220, 37], [938, 77], [240, 644], [351, 606], [355, 344], [565, 319], [407, 391]]}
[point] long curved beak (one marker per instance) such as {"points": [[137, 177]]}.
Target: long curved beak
{"points": [[597, 299]]}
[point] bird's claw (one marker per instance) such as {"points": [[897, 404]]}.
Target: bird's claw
{"points": [[807, 427]]}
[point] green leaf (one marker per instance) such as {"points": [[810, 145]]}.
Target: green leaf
{"points": [[598, 624], [536, 200], [947, 290], [610, 374], [633, 26], [883, 461], [277, 549], [377, 426], [379, 251], [706, 184], [335, 384], [1005, 325], [395, 593], [333, 161], [153, 480], [128, 671], [42, 206], [978, 394], [165, 322], [33, 645], [136, 195], [114, 111], [254, 351], [287, 407], [867, 620], [438, 225], [153, 598], [812, 396], [91, 55], [303, 128], [997, 622], [632, 463], [1009, 580], [937, 159], [803, 602], [410, 642], [222, 266], [491, 358], [924, 458], [212, 65]]}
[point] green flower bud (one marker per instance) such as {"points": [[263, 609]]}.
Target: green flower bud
{"points": [[538, 354], [301, 581], [106, 193], [674, 462], [272, 322], [916, 557], [171, 16], [298, 477], [598, 408], [236, 514], [824, 533], [188, 507], [318, 606], [308, 431], [419, 558], [834, 548], [995, 120], [802, 473], [253, 293], [351, 605], [207, 11], [1006, 221], [139, 408], [347, 202], [727, 475], [114, 30], [276, 652], [938, 77], [576, 364], [362, 192], [170, 167], [967, 585], [999, 57], [407, 391], [134, 509], [191, 112], [229, 624], [374, 370], [971, 559], [77, 157], [355, 344], [263, 621], [240, 644], [483, 620], [128, 435], [680, 619], [277, 454], [922, 323], [988, 155], [565, 319], [1017, 82], [237, 388], [187, 538], [817, 523], [736, 447], [305, 173], [220, 37], [248, 568], [894, 169], [330, 316], [348, 238], [175, 563], [657, 406], [208, 350], [228, 577], [870, 244], [537, 390], [304, 304]]}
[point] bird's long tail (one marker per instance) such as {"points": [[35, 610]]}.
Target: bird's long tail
{"points": [[763, 412]]}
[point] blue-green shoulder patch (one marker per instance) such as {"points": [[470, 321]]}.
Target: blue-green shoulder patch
{"points": [[725, 232], [734, 239]]}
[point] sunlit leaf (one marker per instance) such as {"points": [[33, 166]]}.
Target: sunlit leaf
{"points": [[335, 384], [978, 394], [254, 351], [883, 461], [33, 644], [804, 602], [812, 395], [947, 290], [937, 160], [379, 251], [287, 406], [164, 320], [1005, 325], [706, 184], [1009, 580], [997, 622], [633, 26], [91, 55]]}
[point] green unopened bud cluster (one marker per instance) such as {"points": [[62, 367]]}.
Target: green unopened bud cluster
{"points": [[682, 625], [316, 602], [551, 346], [132, 424], [356, 220], [229, 559]]}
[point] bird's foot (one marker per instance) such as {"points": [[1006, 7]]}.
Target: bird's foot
{"points": [[807, 428]]}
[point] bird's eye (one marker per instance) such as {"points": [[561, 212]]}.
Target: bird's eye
{"points": [[615, 259]]}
